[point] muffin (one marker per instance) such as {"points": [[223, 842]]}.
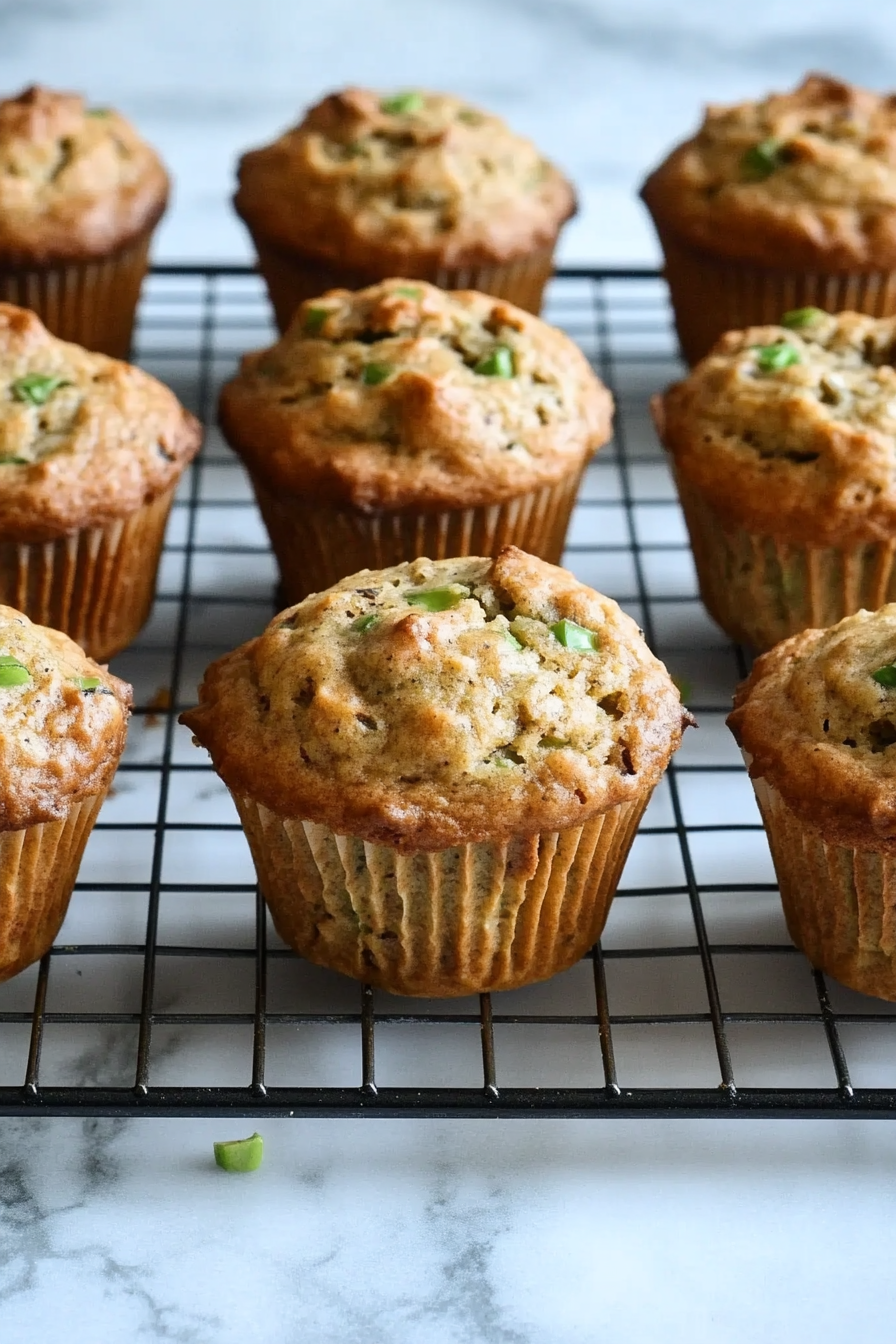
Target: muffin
{"points": [[80, 195], [404, 421], [91, 451], [64, 727], [440, 768], [783, 443], [779, 204], [370, 185], [817, 723]]}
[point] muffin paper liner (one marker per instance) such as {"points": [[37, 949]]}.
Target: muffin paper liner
{"points": [[760, 589], [38, 867], [90, 302], [316, 545], [711, 295], [292, 278], [96, 585], [839, 903], [466, 920]]}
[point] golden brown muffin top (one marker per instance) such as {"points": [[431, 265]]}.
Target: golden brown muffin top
{"points": [[64, 722], [439, 703], [791, 430], [84, 438], [818, 717], [405, 394], [75, 181], [390, 180], [796, 179]]}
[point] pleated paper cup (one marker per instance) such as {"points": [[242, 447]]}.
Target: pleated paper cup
{"points": [[475, 918], [711, 295], [92, 303], [96, 585], [761, 589], [839, 903], [291, 278], [38, 868], [316, 545]]}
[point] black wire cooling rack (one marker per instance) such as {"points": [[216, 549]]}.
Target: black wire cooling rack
{"points": [[168, 992]]}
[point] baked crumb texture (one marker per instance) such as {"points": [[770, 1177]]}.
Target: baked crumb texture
{"points": [[783, 441], [84, 439], [374, 179], [817, 722], [368, 711], [793, 180], [64, 723], [76, 182]]}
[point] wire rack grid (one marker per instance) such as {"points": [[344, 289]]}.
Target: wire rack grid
{"points": [[168, 992]]}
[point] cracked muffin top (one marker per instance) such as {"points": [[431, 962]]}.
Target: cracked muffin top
{"points": [[374, 179], [84, 438], [800, 178], [791, 430], [75, 181], [403, 393], [440, 703], [64, 723], [818, 717]]}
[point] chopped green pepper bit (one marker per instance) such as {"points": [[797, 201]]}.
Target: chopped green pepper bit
{"points": [[885, 676], [573, 636], [37, 388], [12, 672], [553, 743], [86, 683], [15, 461], [436, 599], [511, 639], [364, 623], [499, 364], [99, 111], [802, 317], [401, 103], [408, 291], [240, 1154], [683, 687], [773, 358], [761, 160], [374, 374], [314, 320]]}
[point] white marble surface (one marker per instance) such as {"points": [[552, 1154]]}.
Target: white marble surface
{"points": [[410, 1232]]}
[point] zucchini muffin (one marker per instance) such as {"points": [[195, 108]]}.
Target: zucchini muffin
{"points": [[80, 195], [411, 183], [440, 768], [817, 723], [783, 442], [403, 421], [91, 451], [64, 727], [779, 204]]}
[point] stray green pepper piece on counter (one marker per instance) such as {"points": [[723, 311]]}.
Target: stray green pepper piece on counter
{"points": [[314, 320], [773, 358], [436, 599], [365, 623], [573, 636], [802, 317], [240, 1154], [400, 103], [760, 161], [374, 374], [499, 364], [885, 676], [12, 672], [36, 388]]}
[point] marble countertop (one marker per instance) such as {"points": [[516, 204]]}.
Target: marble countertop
{"points": [[436, 1232]]}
